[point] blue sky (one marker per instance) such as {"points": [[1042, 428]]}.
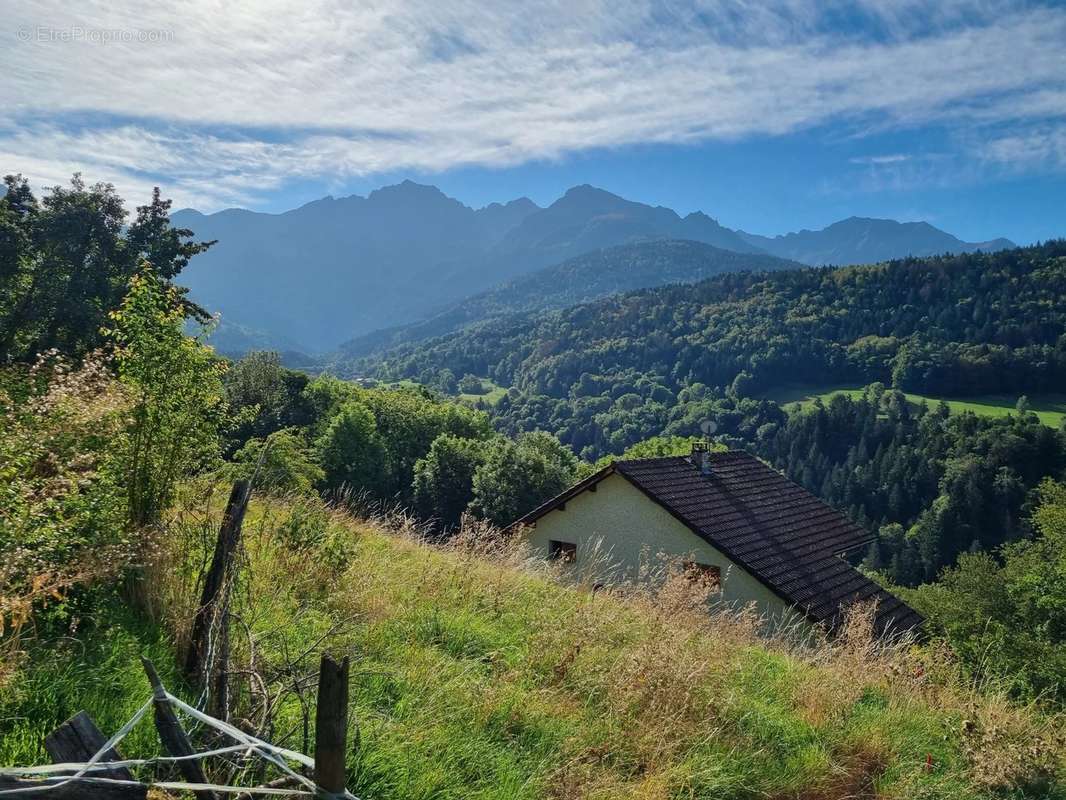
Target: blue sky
{"points": [[770, 116]]}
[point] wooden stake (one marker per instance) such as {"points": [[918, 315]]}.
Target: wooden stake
{"points": [[214, 605], [172, 734], [331, 725]]}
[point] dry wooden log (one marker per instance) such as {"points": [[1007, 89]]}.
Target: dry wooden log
{"points": [[77, 740], [77, 790]]}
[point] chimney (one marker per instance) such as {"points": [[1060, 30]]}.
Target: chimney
{"points": [[701, 457]]}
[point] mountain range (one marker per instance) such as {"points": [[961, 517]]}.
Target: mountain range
{"points": [[339, 268]]}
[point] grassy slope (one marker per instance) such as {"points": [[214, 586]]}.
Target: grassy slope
{"points": [[481, 677], [1051, 408]]}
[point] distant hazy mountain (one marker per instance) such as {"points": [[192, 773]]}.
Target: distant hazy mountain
{"points": [[338, 268], [333, 268], [586, 277], [861, 240]]}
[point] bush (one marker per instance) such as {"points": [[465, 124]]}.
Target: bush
{"points": [[1007, 620], [62, 507], [471, 384], [175, 388]]}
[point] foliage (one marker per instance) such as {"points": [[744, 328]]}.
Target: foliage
{"points": [[517, 476], [443, 482], [655, 447], [1007, 619], [62, 510], [471, 384], [265, 397], [175, 388], [66, 261], [581, 279], [608, 374], [95, 667], [932, 483], [287, 466], [351, 451]]}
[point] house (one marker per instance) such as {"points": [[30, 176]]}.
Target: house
{"points": [[726, 515]]}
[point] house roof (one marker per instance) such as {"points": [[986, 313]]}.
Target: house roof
{"points": [[777, 531]]}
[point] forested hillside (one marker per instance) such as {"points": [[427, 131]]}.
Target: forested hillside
{"points": [[961, 324], [578, 280]]}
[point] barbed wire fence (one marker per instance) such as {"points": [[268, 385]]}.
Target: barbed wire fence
{"points": [[88, 767], [94, 778]]}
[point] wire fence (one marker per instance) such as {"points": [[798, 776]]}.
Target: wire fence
{"points": [[50, 777]]}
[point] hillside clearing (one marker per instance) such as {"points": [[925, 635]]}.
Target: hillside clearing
{"points": [[477, 675], [1050, 408]]}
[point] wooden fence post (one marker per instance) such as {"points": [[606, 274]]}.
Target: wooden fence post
{"points": [[172, 734], [214, 606], [331, 725]]}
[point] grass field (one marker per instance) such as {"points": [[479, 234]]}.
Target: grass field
{"points": [[491, 397], [476, 674], [1050, 408]]}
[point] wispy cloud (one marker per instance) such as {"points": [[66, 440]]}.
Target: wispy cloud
{"points": [[228, 101], [891, 158]]}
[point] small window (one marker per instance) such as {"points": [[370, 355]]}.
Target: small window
{"points": [[562, 551], [703, 574]]}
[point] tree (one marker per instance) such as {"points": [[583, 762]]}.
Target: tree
{"points": [[265, 396], [176, 389], [518, 476], [471, 384], [1009, 620], [443, 478], [350, 451], [67, 260]]}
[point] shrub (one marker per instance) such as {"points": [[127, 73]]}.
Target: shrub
{"points": [[62, 508], [175, 388]]}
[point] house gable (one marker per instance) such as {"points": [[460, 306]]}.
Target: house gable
{"points": [[766, 526], [620, 533]]}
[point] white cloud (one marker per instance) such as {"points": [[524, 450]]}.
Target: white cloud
{"points": [[240, 97]]}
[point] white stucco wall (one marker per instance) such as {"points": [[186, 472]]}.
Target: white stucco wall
{"points": [[621, 534]]}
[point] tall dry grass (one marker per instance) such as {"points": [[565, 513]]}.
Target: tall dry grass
{"points": [[482, 671]]}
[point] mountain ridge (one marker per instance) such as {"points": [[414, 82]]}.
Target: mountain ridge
{"points": [[334, 269]]}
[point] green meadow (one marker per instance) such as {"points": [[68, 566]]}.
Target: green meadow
{"points": [[1050, 408]]}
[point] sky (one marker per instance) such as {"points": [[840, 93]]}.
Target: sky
{"points": [[769, 116]]}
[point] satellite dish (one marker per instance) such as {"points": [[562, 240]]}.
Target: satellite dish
{"points": [[708, 426]]}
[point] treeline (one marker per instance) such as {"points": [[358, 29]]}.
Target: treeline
{"points": [[406, 448], [961, 324]]}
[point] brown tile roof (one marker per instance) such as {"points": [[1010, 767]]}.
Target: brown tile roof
{"points": [[776, 530]]}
